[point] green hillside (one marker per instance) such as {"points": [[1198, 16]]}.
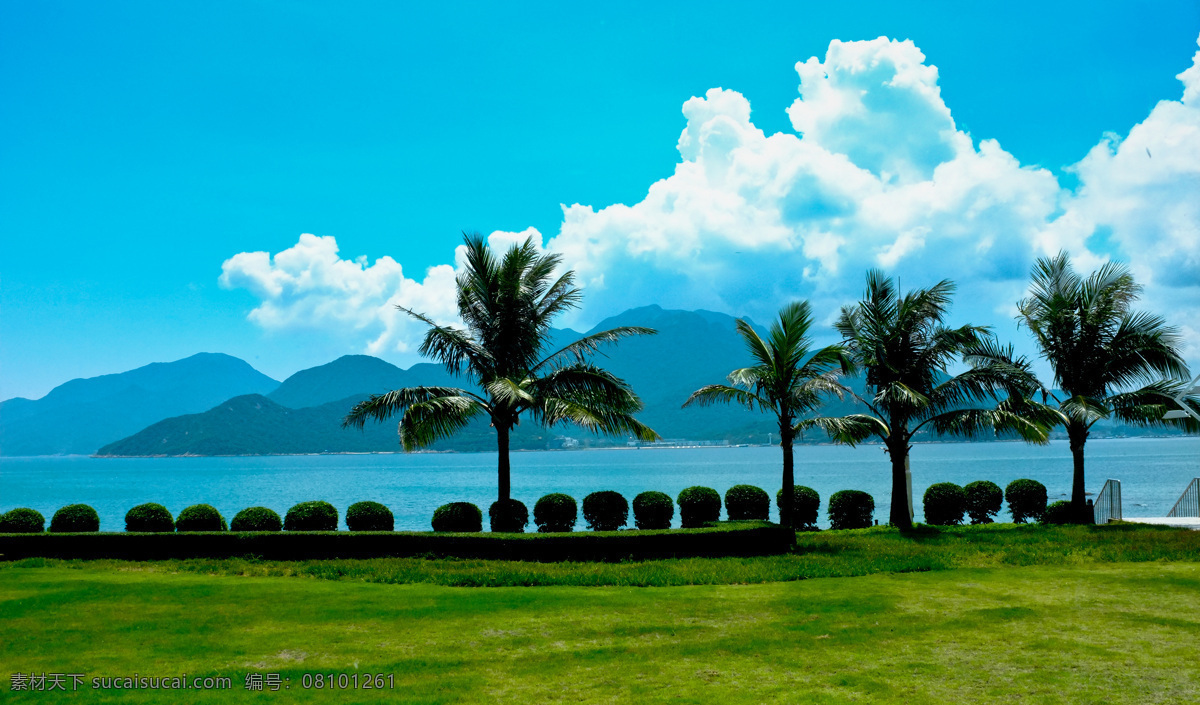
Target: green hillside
{"points": [[81, 415]]}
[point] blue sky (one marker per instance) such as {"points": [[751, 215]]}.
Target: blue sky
{"points": [[148, 144]]}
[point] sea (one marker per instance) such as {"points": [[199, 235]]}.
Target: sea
{"points": [[1153, 473]]}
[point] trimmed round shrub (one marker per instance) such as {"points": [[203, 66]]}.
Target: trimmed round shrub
{"points": [[983, 500], [747, 502], [458, 516], [1026, 500], [805, 504], [1058, 513], [311, 516], [698, 506], [200, 517], [256, 519], [509, 516], [149, 517], [851, 509], [605, 510], [555, 512], [75, 518], [22, 520], [369, 516], [945, 503], [653, 510]]}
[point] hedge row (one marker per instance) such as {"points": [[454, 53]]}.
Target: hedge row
{"points": [[740, 539], [155, 518], [698, 506], [946, 503]]}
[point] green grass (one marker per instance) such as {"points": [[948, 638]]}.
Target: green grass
{"points": [[817, 555], [1117, 633], [984, 614]]}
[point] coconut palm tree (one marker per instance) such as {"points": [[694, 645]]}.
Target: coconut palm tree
{"points": [[1109, 361], [788, 379], [507, 306], [906, 351]]}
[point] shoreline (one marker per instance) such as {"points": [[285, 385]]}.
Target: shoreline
{"points": [[698, 446]]}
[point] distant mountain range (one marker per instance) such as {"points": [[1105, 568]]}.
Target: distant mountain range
{"points": [[84, 414], [212, 404], [303, 415]]}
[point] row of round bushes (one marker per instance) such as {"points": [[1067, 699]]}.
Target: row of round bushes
{"points": [[946, 503], [151, 517], [609, 511]]}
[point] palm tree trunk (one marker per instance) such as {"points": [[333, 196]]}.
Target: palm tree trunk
{"points": [[786, 510], [898, 452], [503, 467], [1078, 434]]}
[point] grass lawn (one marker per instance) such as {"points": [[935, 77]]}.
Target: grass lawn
{"points": [[1109, 623]]}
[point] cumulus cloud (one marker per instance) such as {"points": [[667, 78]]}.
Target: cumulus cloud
{"points": [[875, 174], [309, 285], [1141, 194]]}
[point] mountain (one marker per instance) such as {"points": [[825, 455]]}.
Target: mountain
{"points": [[255, 425], [353, 376], [84, 414], [303, 415]]}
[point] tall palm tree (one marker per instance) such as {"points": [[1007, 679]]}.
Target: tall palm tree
{"points": [[1109, 361], [507, 306], [789, 379], [907, 351]]}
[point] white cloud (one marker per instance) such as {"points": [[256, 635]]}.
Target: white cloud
{"points": [[1141, 194], [876, 175], [309, 285]]}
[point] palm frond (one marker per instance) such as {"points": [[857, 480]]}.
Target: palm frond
{"points": [[849, 430], [722, 394], [591, 344], [380, 407], [596, 420], [429, 421]]}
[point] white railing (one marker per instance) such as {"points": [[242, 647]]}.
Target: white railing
{"points": [[1107, 506], [1189, 502]]}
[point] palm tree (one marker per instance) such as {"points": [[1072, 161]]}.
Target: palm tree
{"points": [[906, 351], [788, 379], [507, 306], [1100, 351]]}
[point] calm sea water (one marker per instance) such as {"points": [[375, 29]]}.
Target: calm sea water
{"points": [[1153, 473]]}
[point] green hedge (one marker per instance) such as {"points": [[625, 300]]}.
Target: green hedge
{"points": [[200, 517], [311, 516], [851, 509], [605, 510], [149, 517], [369, 516], [457, 517], [555, 513], [1058, 513], [257, 519], [508, 517], [22, 520], [75, 518], [805, 504], [747, 502], [653, 510], [1026, 500], [740, 539], [945, 504], [698, 506], [983, 500]]}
